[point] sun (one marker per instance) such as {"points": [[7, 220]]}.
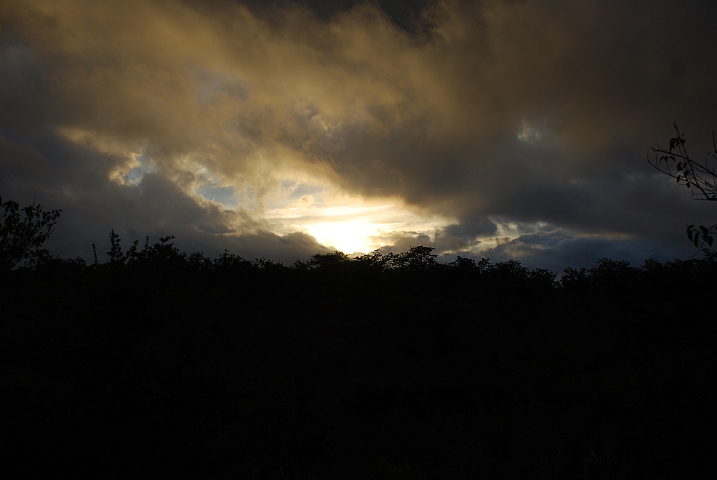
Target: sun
{"points": [[345, 222], [351, 236]]}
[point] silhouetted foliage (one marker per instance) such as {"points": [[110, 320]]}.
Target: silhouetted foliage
{"points": [[23, 232], [327, 260], [155, 362], [700, 177], [416, 259]]}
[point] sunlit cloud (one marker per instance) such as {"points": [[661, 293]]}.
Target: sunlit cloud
{"points": [[348, 223], [292, 132], [528, 133]]}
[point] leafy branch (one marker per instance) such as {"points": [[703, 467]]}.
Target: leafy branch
{"points": [[700, 177]]}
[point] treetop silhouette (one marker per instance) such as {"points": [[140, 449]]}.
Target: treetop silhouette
{"points": [[23, 232]]}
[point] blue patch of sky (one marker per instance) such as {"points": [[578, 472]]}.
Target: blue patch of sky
{"points": [[301, 189], [135, 175], [226, 195]]}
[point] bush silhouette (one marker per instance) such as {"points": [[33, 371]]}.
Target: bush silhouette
{"points": [[23, 232]]}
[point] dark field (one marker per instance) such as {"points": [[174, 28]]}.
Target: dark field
{"points": [[172, 365]]}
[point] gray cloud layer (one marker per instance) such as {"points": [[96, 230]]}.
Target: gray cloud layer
{"points": [[528, 117]]}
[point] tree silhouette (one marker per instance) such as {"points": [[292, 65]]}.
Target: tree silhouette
{"points": [[416, 259], [700, 177], [162, 358], [22, 233], [327, 260]]}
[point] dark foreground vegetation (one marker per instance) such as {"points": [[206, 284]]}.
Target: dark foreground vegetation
{"points": [[159, 364]]}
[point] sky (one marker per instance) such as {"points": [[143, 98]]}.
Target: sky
{"points": [[500, 129]]}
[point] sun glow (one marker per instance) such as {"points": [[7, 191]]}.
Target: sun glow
{"points": [[348, 223], [347, 236]]}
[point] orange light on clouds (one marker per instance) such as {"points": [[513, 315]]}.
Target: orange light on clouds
{"points": [[350, 224]]}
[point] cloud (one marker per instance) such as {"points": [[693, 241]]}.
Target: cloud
{"points": [[211, 120], [555, 251]]}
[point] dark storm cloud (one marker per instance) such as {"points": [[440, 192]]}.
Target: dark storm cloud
{"points": [[558, 250], [512, 117], [405, 14], [93, 204]]}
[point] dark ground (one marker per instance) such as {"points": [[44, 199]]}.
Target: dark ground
{"points": [[339, 371]]}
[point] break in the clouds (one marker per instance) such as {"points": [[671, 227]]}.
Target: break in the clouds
{"points": [[509, 129]]}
